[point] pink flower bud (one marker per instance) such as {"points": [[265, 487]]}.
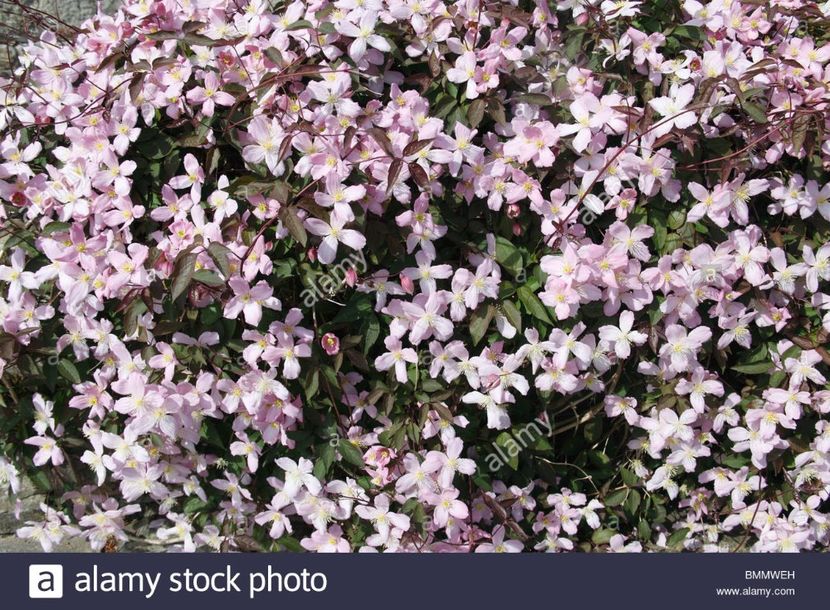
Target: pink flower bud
{"points": [[198, 295], [312, 254], [330, 344], [351, 277], [163, 265], [517, 229], [513, 210], [407, 285]]}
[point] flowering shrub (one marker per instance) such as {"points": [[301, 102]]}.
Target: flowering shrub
{"points": [[414, 275]]}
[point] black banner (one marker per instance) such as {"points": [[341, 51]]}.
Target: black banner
{"points": [[127, 581]]}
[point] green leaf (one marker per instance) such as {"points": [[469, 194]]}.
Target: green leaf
{"points": [[274, 55], [157, 145], [482, 480], [509, 449], [676, 219], [599, 458], [350, 453], [431, 385], [394, 436], [659, 221], [735, 460], [417, 514], [689, 31], [40, 480], [777, 379], [643, 530], [533, 305], [755, 112], [325, 458], [220, 255], [615, 498], [760, 368], [301, 24], [632, 503], [574, 44], [540, 443], [312, 384], [194, 505], [359, 306], [69, 371], [603, 536], [508, 256], [371, 332], [480, 321], [677, 538], [55, 227], [208, 278], [754, 362], [752, 110], [629, 478], [292, 222], [511, 312], [537, 99]]}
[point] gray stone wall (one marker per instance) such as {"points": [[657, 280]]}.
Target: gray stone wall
{"points": [[13, 19], [71, 11], [30, 500]]}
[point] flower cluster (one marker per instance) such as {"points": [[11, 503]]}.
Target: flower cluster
{"points": [[609, 215]]}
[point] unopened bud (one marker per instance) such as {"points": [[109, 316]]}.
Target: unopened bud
{"points": [[330, 344]]}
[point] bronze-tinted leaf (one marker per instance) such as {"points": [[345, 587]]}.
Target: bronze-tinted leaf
{"points": [[475, 112], [415, 147], [382, 139], [392, 176], [419, 175], [182, 275]]}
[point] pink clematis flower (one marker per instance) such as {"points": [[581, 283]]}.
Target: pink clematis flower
{"points": [[334, 234]]}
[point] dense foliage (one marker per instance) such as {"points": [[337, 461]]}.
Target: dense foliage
{"points": [[414, 275]]}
